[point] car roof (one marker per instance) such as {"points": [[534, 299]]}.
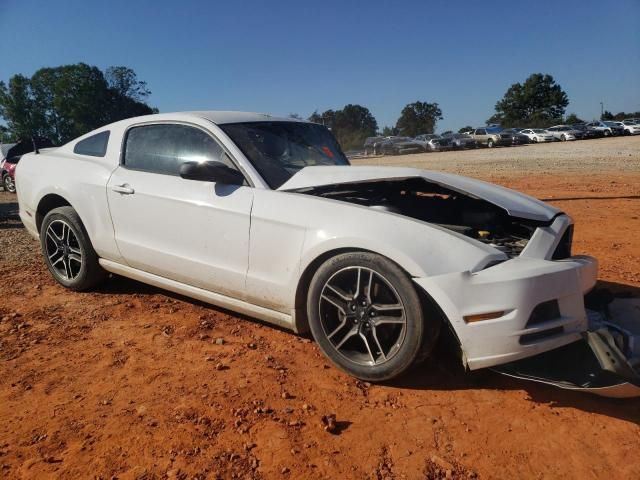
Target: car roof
{"points": [[218, 117]]}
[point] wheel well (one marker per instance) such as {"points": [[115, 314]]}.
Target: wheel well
{"points": [[301, 319], [48, 203], [302, 322]]}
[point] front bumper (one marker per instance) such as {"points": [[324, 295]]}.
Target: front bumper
{"points": [[515, 288]]}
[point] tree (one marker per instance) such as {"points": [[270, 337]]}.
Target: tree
{"points": [[607, 115], [572, 119], [536, 102], [351, 125], [64, 102], [389, 131], [465, 129], [295, 115], [417, 118], [124, 82]]}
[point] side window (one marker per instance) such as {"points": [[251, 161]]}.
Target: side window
{"points": [[481, 131], [163, 148], [94, 146]]}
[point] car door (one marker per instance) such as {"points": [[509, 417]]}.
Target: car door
{"points": [[481, 135], [191, 231]]}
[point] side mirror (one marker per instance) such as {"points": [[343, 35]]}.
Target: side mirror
{"points": [[211, 172]]}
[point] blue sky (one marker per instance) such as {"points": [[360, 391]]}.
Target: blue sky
{"points": [[298, 56]]}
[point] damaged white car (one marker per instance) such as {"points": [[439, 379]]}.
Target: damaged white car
{"points": [[266, 217]]}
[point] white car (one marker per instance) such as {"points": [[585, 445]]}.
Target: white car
{"points": [[266, 217], [538, 135], [631, 127], [564, 133]]}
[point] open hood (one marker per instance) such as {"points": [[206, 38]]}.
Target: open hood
{"points": [[515, 203]]}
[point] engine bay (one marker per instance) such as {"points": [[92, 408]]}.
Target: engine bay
{"points": [[429, 202]]}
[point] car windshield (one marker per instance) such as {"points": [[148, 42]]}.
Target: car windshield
{"points": [[540, 130], [278, 150]]}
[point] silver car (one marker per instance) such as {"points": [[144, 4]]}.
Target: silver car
{"points": [[565, 133], [538, 135]]}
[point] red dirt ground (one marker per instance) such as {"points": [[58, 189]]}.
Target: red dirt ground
{"points": [[129, 382]]}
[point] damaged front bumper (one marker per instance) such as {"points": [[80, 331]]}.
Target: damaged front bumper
{"points": [[529, 305], [604, 362]]}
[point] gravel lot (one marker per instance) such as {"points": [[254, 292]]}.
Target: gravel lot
{"points": [[621, 154], [131, 382]]}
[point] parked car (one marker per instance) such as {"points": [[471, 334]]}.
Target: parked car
{"points": [[588, 132], [371, 145], [518, 138], [491, 137], [565, 133], [538, 135], [460, 140], [630, 127], [432, 142], [399, 145], [265, 216], [607, 128], [11, 155]]}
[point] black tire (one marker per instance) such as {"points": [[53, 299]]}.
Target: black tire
{"points": [[563, 138], [8, 184], [535, 139], [490, 143], [57, 246], [408, 342]]}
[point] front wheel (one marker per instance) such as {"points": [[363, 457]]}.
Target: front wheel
{"points": [[8, 184], [68, 252], [490, 143], [563, 138], [367, 317]]}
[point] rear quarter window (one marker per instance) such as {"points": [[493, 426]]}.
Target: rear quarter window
{"points": [[93, 146]]}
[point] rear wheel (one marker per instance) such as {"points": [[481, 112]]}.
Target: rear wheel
{"points": [[367, 317], [490, 143], [535, 139], [68, 252], [563, 138], [8, 184]]}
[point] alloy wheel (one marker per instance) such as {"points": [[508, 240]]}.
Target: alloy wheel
{"points": [[9, 184], [362, 316], [63, 250]]}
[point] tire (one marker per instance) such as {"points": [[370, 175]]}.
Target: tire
{"points": [[535, 139], [348, 323], [490, 143], [563, 138], [607, 133], [8, 184], [68, 252]]}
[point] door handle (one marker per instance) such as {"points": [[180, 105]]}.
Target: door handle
{"points": [[124, 189]]}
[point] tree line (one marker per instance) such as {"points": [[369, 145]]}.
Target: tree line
{"points": [[62, 103]]}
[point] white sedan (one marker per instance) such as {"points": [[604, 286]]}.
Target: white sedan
{"points": [[538, 135], [266, 217]]}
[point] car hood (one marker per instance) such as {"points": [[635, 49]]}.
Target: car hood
{"points": [[515, 203]]}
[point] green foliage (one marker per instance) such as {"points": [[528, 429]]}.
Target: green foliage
{"points": [[351, 125], [607, 115], [620, 116], [389, 132], [538, 102], [418, 118], [572, 119], [465, 129], [62, 103]]}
